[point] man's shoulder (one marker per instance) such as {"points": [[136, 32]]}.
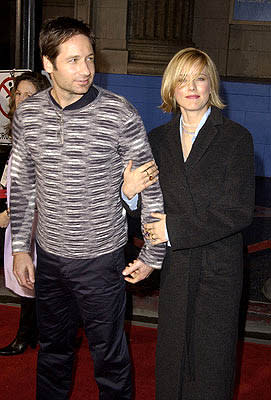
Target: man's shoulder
{"points": [[116, 101], [36, 101], [40, 96]]}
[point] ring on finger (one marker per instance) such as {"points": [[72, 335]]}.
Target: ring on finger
{"points": [[150, 177], [147, 234]]}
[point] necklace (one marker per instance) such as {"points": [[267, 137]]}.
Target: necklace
{"points": [[191, 125], [188, 132]]}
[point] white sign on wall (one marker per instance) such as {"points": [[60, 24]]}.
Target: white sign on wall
{"points": [[6, 84]]}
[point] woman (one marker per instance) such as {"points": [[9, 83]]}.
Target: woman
{"points": [[25, 85], [206, 170]]}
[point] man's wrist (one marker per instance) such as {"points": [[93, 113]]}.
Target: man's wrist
{"points": [[20, 252]]}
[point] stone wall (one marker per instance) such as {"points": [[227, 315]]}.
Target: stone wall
{"points": [[249, 51], [109, 24], [211, 30], [239, 50], [57, 8]]}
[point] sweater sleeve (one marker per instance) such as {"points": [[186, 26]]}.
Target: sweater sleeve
{"points": [[22, 192], [134, 146]]}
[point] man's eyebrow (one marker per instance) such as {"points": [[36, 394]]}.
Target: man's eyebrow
{"points": [[78, 56]]}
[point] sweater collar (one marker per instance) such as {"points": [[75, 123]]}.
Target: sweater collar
{"points": [[86, 99]]}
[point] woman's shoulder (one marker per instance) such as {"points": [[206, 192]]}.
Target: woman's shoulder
{"points": [[228, 126], [158, 133], [236, 130]]}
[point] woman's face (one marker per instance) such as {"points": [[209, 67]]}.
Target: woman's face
{"points": [[24, 90], [193, 95]]}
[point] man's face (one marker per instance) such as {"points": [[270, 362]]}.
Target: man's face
{"points": [[74, 70]]}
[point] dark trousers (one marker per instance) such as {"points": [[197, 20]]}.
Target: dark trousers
{"points": [[92, 290]]}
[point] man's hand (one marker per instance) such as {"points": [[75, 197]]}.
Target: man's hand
{"points": [[24, 270], [156, 231], [4, 219], [139, 179], [136, 271]]}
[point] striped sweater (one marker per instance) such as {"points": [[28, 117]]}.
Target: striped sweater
{"points": [[70, 163]]}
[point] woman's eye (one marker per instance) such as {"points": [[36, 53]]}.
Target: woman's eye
{"points": [[202, 78], [181, 83]]}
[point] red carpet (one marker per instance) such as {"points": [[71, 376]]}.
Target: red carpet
{"points": [[17, 373]]}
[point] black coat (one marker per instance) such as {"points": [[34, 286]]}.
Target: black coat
{"points": [[208, 201]]}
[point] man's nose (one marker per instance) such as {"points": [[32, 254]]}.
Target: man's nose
{"points": [[85, 68]]}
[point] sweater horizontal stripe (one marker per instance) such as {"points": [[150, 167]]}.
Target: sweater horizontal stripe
{"points": [[70, 163]]}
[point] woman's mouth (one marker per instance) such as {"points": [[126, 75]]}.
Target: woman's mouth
{"points": [[192, 97]]}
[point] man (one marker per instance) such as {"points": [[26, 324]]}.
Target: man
{"points": [[70, 146]]}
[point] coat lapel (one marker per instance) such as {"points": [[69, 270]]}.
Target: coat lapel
{"points": [[173, 149], [204, 138], [175, 169]]}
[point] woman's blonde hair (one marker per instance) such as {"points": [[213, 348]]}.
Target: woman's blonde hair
{"points": [[178, 69]]}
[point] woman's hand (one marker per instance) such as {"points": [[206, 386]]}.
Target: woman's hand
{"points": [[156, 231], [139, 179], [4, 219]]}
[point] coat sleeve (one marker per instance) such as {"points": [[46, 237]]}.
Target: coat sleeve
{"points": [[134, 146], [232, 212], [22, 191]]}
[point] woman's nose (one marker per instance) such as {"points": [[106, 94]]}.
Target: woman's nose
{"points": [[192, 85], [22, 97]]}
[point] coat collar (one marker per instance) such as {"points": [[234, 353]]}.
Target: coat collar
{"points": [[201, 144]]}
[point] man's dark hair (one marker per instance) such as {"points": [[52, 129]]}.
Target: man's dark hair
{"points": [[57, 31]]}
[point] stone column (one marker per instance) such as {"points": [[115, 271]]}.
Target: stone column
{"points": [[83, 10], [157, 29], [109, 25]]}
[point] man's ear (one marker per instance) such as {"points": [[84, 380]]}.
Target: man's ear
{"points": [[47, 64]]}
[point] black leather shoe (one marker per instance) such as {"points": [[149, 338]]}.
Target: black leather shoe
{"points": [[16, 347]]}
